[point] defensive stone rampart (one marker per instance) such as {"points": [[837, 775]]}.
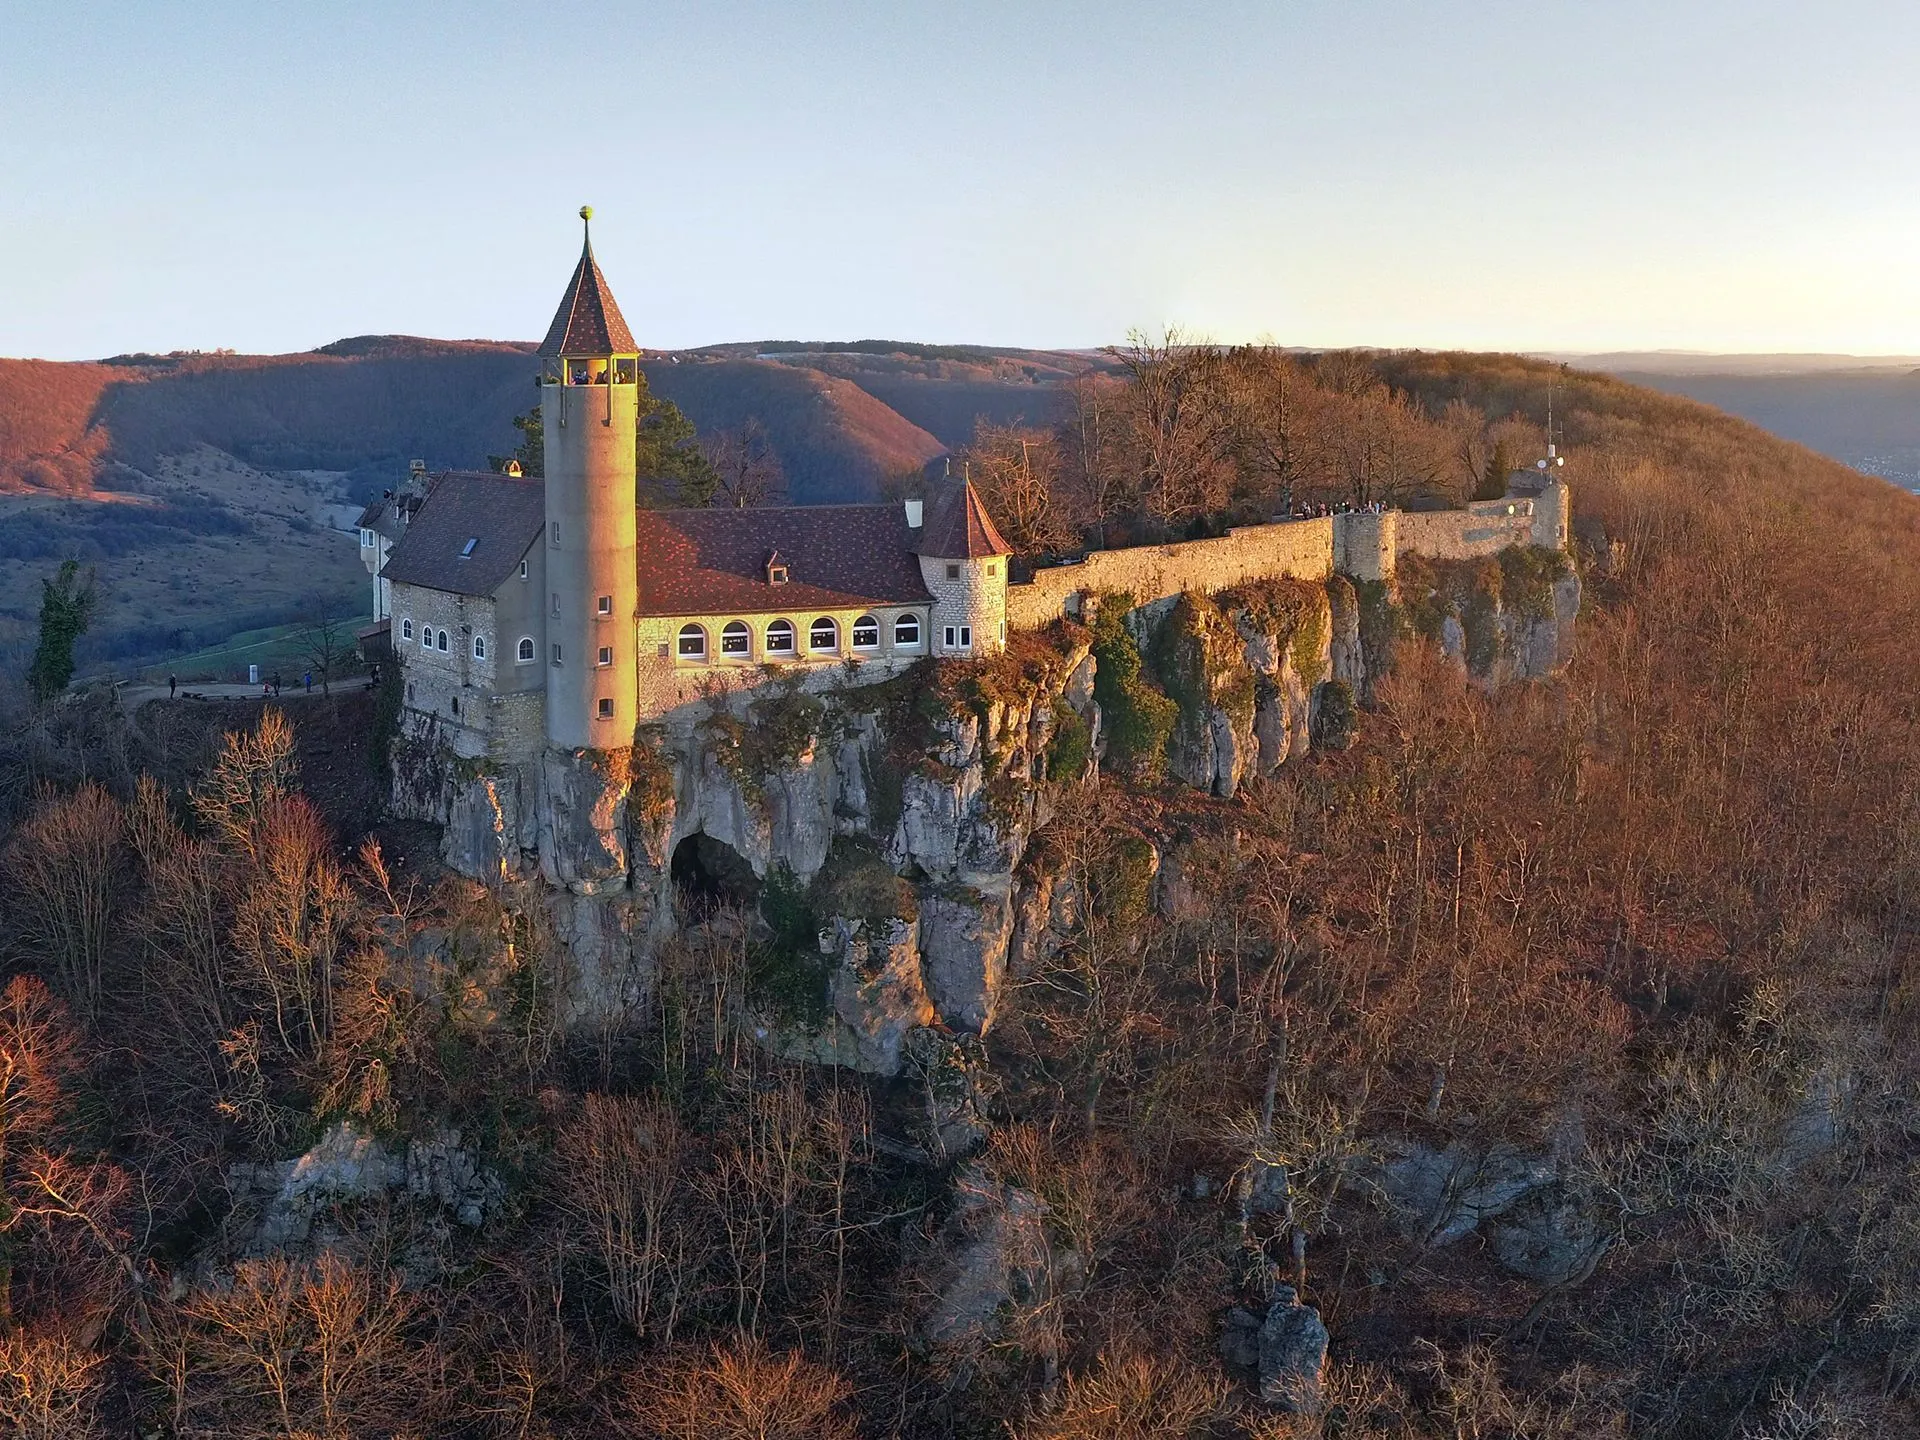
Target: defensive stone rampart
{"points": [[1295, 549], [1365, 544]]}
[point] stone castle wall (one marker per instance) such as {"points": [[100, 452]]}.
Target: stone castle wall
{"points": [[1481, 530], [1296, 549], [1364, 545], [448, 690]]}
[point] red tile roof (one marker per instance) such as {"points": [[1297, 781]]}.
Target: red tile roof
{"points": [[503, 514], [958, 526], [588, 321], [714, 562]]}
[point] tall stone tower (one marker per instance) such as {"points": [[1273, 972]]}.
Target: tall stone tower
{"points": [[589, 405]]}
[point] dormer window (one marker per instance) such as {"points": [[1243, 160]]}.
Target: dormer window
{"points": [[777, 572], [466, 550]]}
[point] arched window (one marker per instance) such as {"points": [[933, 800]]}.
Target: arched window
{"points": [[693, 643], [736, 640], [479, 647], [526, 649], [866, 633], [906, 632], [406, 629], [441, 643], [780, 638], [824, 635]]}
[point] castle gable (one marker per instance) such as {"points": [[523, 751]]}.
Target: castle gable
{"points": [[713, 562], [469, 534]]}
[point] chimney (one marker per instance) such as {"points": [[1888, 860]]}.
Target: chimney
{"points": [[913, 514]]}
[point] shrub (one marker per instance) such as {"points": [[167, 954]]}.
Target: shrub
{"points": [[786, 973], [1070, 744], [1334, 715], [1138, 718]]}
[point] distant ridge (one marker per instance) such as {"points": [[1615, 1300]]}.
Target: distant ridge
{"points": [[1700, 362], [366, 405]]}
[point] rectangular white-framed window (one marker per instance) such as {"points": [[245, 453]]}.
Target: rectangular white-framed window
{"points": [[606, 708], [946, 638], [606, 655], [556, 653], [966, 637], [556, 602], [523, 570], [604, 605], [366, 538]]}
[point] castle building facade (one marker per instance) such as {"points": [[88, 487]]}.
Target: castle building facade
{"points": [[529, 612]]}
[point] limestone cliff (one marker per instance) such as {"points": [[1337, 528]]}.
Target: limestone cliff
{"points": [[879, 835]]}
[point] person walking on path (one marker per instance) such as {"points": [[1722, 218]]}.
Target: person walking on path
{"points": [[173, 684], [276, 682], [308, 678]]}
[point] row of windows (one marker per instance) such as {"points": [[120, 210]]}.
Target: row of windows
{"points": [[431, 639], [823, 637]]}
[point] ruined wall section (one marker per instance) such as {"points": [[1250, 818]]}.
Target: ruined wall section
{"points": [[1466, 535]]}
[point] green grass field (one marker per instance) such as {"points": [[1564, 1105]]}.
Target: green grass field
{"points": [[274, 646]]}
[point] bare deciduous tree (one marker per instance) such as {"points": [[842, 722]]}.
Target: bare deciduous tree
{"points": [[1017, 473], [64, 867], [743, 1392], [746, 466]]}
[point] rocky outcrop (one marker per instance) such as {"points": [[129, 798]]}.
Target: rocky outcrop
{"points": [[1285, 1348], [964, 936], [1293, 1354], [998, 1262], [582, 830], [876, 997], [346, 1165], [1503, 619], [1244, 668], [1440, 1196]]}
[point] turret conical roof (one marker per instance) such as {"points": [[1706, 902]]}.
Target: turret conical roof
{"points": [[588, 321], [958, 527]]}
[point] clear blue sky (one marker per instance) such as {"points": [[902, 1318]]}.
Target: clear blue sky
{"points": [[1553, 174]]}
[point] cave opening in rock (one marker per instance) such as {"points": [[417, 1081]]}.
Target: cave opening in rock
{"points": [[710, 875]]}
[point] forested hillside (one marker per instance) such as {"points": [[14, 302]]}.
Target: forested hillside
{"points": [[1556, 1043], [368, 406]]}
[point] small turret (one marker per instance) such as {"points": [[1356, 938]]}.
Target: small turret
{"points": [[963, 560], [589, 403]]}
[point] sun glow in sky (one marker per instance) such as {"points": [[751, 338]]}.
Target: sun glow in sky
{"points": [[1491, 174]]}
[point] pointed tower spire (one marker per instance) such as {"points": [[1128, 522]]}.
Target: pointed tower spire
{"points": [[588, 322]]}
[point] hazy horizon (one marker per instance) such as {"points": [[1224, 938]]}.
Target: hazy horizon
{"points": [[1539, 178]]}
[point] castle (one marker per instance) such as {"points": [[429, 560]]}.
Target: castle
{"points": [[531, 614]]}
